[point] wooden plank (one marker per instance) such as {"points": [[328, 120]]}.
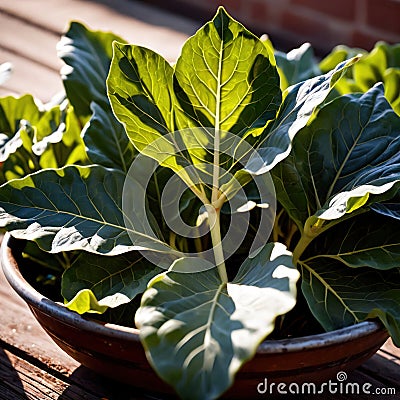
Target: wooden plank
{"points": [[29, 42], [136, 22], [24, 380], [18, 328], [30, 30], [33, 367], [29, 77], [384, 369], [20, 379], [390, 351]]}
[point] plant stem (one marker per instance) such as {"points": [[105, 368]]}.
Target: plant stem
{"points": [[304, 241], [216, 200], [215, 231], [276, 229], [198, 243], [293, 229], [312, 228]]}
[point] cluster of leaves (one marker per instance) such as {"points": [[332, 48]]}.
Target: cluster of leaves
{"points": [[381, 64], [334, 160]]}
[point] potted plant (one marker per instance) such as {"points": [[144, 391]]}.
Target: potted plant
{"points": [[206, 204]]}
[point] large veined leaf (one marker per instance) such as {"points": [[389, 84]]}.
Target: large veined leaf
{"points": [[106, 140], [74, 208], [226, 78], [225, 81], [87, 286], [34, 137], [338, 165], [87, 55], [367, 240], [339, 296], [198, 331], [300, 103], [140, 92]]}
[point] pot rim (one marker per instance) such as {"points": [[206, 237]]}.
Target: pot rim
{"points": [[57, 310]]}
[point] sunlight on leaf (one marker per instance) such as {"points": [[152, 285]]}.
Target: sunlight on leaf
{"points": [[209, 327]]}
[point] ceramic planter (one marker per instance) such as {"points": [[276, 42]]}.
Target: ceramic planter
{"points": [[116, 351]]}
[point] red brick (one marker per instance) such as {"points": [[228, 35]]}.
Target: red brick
{"points": [[365, 40], [302, 25], [259, 11], [341, 9], [230, 5], [384, 14]]}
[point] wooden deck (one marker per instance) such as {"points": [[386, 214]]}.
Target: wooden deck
{"points": [[31, 366]]}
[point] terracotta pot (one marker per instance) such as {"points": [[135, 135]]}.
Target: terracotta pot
{"points": [[115, 351]]}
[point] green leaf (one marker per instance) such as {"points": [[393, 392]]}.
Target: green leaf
{"points": [[33, 137], [12, 111], [226, 78], [106, 140], [140, 92], [297, 65], [391, 81], [339, 296], [339, 54], [367, 240], [57, 141], [87, 55], [198, 331], [300, 103], [389, 209], [340, 165], [93, 282], [86, 302], [382, 64], [75, 208]]}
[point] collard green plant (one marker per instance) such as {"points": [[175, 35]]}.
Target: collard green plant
{"points": [[208, 143], [381, 64]]}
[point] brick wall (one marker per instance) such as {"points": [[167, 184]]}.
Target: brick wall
{"points": [[324, 23]]}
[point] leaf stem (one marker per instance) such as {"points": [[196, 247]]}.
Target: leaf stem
{"points": [[216, 198], [312, 228], [215, 231], [302, 244]]}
